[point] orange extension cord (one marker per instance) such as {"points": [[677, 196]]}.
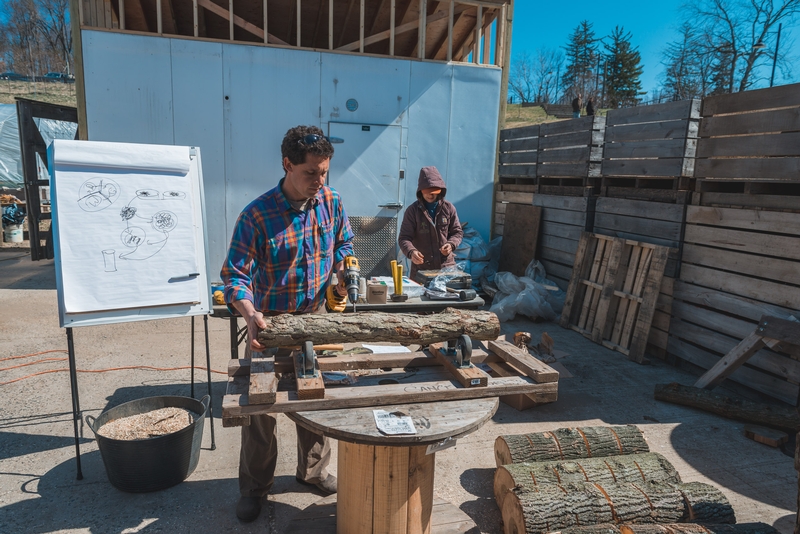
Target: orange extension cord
{"points": [[43, 360]]}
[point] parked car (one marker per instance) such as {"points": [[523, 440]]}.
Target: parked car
{"points": [[12, 76]]}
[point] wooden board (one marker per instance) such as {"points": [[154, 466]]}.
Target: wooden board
{"points": [[767, 436], [263, 382], [520, 238], [468, 377], [521, 359]]}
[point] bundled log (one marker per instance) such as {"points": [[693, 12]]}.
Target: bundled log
{"points": [[771, 415], [556, 506], [673, 528], [288, 330], [569, 444], [649, 466]]}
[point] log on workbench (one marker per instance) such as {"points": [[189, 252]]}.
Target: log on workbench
{"points": [[672, 528], [288, 330], [770, 415], [569, 444], [623, 468], [556, 506]]}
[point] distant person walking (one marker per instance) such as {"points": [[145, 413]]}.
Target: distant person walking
{"points": [[577, 104], [589, 106]]}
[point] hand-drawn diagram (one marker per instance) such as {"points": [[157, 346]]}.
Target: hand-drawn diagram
{"points": [[145, 210], [97, 194]]}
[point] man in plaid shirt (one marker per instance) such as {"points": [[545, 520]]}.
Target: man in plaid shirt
{"points": [[285, 246]]}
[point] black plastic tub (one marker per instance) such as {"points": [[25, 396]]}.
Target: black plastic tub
{"points": [[156, 463]]}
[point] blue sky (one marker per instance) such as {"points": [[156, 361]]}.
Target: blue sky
{"points": [[652, 25]]}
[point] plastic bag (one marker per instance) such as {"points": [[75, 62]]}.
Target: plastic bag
{"points": [[473, 253], [533, 296], [13, 215], [439, 283]]}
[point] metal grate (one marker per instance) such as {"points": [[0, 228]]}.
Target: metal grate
{"points": [[375, 244]]}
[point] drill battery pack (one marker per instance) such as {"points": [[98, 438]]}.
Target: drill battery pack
{"points": [[455, 279]]}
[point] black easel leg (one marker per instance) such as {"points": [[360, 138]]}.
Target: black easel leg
{"points": [[192, 356], [76, 405], [208, 371]]}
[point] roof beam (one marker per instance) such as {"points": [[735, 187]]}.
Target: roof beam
{"points": [[239, 21]]}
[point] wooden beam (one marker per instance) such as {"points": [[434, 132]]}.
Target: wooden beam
{"points": [[266, 21], [450, 23], [487, 41], [196, 18], [121, 14], [360, 27], [159, 22], [730, 362], [423, 26], [230, 20], [298, 22], [330, 24], [391, 28], [522, 360], [476, 49], [376, 17], [239, 21], [382, 36], [444, 45]]}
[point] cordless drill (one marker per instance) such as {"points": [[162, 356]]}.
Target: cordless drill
{"points": [[352, 273]]}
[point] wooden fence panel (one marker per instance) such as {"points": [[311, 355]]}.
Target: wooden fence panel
{"points": [[737, 265]]}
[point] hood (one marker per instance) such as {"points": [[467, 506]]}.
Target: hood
{"points": [[430, 177]]}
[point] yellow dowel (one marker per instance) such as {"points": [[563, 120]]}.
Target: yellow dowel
{"points": [[394, 274]]}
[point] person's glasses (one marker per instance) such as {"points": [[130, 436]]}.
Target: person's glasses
{"points": [[310, 139]]}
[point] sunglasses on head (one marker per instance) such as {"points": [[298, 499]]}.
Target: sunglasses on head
{"points": [[310, 139]]}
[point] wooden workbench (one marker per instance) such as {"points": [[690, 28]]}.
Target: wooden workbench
{"points": [[386, 482]]}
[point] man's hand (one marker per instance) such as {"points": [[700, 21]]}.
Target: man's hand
{"points": [[255, 322], [417, 258], [446, 249], [340, 288]]}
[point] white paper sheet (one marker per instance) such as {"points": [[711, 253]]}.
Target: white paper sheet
{"points": [[127, 237], [386, 349], [391, 423]]}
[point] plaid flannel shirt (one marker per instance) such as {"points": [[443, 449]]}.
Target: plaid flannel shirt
{"points": [[280, 258]]}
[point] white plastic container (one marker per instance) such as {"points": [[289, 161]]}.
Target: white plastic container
{"points": [[12, 233]]}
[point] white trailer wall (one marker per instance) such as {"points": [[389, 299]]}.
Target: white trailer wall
{"points": [[236, 101]]}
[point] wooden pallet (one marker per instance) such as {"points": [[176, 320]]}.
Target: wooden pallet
{"points": [[423, 376], [613, 291]]}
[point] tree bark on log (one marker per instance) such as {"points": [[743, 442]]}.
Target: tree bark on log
{"points": [[289, 330], [558, 506], [649, 466], [673, 528], [569, 444], [771, 415]]}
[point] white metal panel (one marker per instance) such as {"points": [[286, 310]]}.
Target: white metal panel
{"points": [[266, 92], [428, 122], [198, 96], [379, 86], [128, 81], [365, 168], [473, 144]]}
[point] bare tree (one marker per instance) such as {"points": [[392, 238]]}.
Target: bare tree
{"points": [[54, 27], [35, 36], [732, 28], [521, 78]]}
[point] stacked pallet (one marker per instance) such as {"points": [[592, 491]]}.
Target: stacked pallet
{"points": [[649, 151], [569, 156], [588, 476], [519, 152], [740, 256], [563, 220], [503, 199]]}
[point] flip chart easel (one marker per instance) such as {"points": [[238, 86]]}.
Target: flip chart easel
{"points": [[129, 239]]}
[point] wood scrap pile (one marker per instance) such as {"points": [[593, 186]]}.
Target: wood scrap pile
{"points": [[149, 424], [601, 480]]}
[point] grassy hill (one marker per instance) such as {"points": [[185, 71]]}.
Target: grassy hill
{"points": [[52, 92], [516, 115]]}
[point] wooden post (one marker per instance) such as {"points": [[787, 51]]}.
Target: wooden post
{"points": [[487, 41], [476, 46], [196, 18], [266, 26], [298, 22], [451, 15], [330, 25], [391, 28], [360, 27], [121, 14], [421, 469], [159, 22], [423, 23], [230, 19]]}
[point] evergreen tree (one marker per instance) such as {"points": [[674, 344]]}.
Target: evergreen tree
{"points": [[682, 76], [581, 57], [622, 83]]}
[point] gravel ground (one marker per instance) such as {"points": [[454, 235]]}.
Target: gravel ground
{"points": [[39, 491]]}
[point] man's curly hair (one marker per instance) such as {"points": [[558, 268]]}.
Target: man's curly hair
{"points": [[295, 148]]}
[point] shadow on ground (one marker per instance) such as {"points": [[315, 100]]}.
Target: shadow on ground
{"points": [[483, 510], [19, 272]]}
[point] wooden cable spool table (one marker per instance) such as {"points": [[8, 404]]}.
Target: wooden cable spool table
{"points": [[386, 482]]}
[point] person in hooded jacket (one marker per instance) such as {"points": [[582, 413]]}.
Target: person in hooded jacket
{"points": [[431, 230]]}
